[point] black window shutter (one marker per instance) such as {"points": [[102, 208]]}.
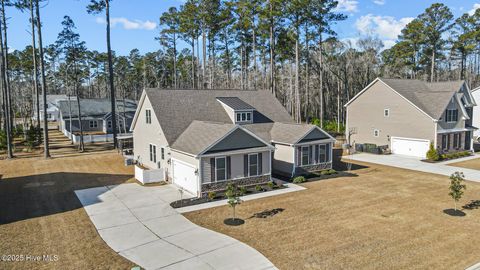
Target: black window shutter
{"points": [[229, 168], [245, 165], [259, 165], [315, 157], [310, 154], [299, 156], [212, 169], [327, 152]]}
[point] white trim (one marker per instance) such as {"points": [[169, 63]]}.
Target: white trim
{"points": [[216, 168], [248, 161], [139, 108], [181, 152], [378, 79], [316, 142], [462, 108], [230, 132], [387, 110], [148, 111], [310, 131], [240, 151], [410, 139]]}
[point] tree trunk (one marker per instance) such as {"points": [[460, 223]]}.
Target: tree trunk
{"points": [[35, 75], [110, 76], [254, 55], [272, 51], [174, 61], [432, 69], [297, 76], [6, 94], [81, 145], [321, 80], [193, 62], [46, 152], [307, 74], [204, 56]]}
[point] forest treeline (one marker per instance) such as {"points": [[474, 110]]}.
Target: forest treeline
{"points": [[287, 47]]}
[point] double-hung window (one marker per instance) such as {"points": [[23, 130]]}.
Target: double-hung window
{"points": [[305, 155], [153, 153], [386, 112], [148, 116], [322, 153], [109, 123], [451, 115], [221, 168], [93, 124], [253, 165]]}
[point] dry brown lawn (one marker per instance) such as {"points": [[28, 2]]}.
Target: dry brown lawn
{"points": [[40, 214], [469, 164], [384, 218]]}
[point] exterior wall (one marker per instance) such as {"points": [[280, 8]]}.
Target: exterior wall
{"points": [[283, 159], [249, 181], [121, 127], [236, 166], [145, 134], [366, 114], [85, 125], [451, 125], [300, 170], [476, 113]]}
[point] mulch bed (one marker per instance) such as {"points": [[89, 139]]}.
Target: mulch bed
{"points": [[221, 196]]}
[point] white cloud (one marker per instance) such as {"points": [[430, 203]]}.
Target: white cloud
{"points": [[385, 27], [379, 2], [475, 7], [347, 5], [128, 24]]}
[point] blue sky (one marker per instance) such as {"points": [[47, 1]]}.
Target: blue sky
{"points": [[135, 22]]}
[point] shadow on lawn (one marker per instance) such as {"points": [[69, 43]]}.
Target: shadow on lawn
{"points": [[267, 213], [472, 205], [34, 196]]}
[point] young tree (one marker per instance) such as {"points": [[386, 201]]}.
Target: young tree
{"points": [[436, 20], [233, 198], [95, 7], [457, 187]]}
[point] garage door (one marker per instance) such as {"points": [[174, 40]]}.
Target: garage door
{"points": [[184, 176], [410, 147]]}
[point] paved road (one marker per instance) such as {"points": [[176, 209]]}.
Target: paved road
{"points": [[416, 164], [139, 224]]}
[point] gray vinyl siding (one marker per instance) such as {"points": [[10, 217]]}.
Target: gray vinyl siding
{"points": [[314, 135], [238, 139], [452, 125], [85, 125], [237, 166], [366, 113]]}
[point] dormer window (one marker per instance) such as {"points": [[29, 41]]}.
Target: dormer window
{"points": [[451, 115], [243, 117]]}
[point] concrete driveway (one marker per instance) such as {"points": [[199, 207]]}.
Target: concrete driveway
{"points": [[413, 163], [139, 224]]}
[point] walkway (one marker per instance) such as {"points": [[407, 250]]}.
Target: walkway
{"points": [[139, 224], [412, 163]]}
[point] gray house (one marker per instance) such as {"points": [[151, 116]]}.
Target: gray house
{"points": [[407, 116], [96, 115], [202, 139]]}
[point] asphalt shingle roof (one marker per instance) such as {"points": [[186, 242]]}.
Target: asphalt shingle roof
{"points": [[177, 109], [235, 103], [432, 98], [96, 107]]}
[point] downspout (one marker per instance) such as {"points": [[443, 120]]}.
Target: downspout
{"points": [[199, 192], [435, 134], [294, 160]]}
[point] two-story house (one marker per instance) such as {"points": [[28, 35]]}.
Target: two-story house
{"points": [[203, 139], [408, 115]]}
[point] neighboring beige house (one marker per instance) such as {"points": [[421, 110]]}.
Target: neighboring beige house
{"points": [[406, 116], [202, 139]]}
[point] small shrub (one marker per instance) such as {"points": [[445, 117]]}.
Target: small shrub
{"points": [[212, 195], [432, 153], [325, 172], [271, 184], [332, 171], [242, 190], [299, 179], [258, 188]]}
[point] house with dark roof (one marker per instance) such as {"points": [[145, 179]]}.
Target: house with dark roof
{"points": [[96, 115], [203, 139], [53, 110], [406, 116]]}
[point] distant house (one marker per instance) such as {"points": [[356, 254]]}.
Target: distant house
{"points": [[53, 110], [203, 139], [476, 112], [407, 116], [96, 116]]}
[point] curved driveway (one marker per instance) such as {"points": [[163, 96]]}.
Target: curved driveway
{"points": [[139, 224]]}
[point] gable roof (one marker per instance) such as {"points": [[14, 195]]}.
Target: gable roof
{"points": [[201, 136], [430, 98], [177, 109], [95, 107], [235, 103]]}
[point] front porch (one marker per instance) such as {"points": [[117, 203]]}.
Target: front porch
{"points": [[451, 141], [313, 157]]}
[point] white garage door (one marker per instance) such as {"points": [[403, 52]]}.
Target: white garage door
{"points": [[184, 176], [410, 147]]}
